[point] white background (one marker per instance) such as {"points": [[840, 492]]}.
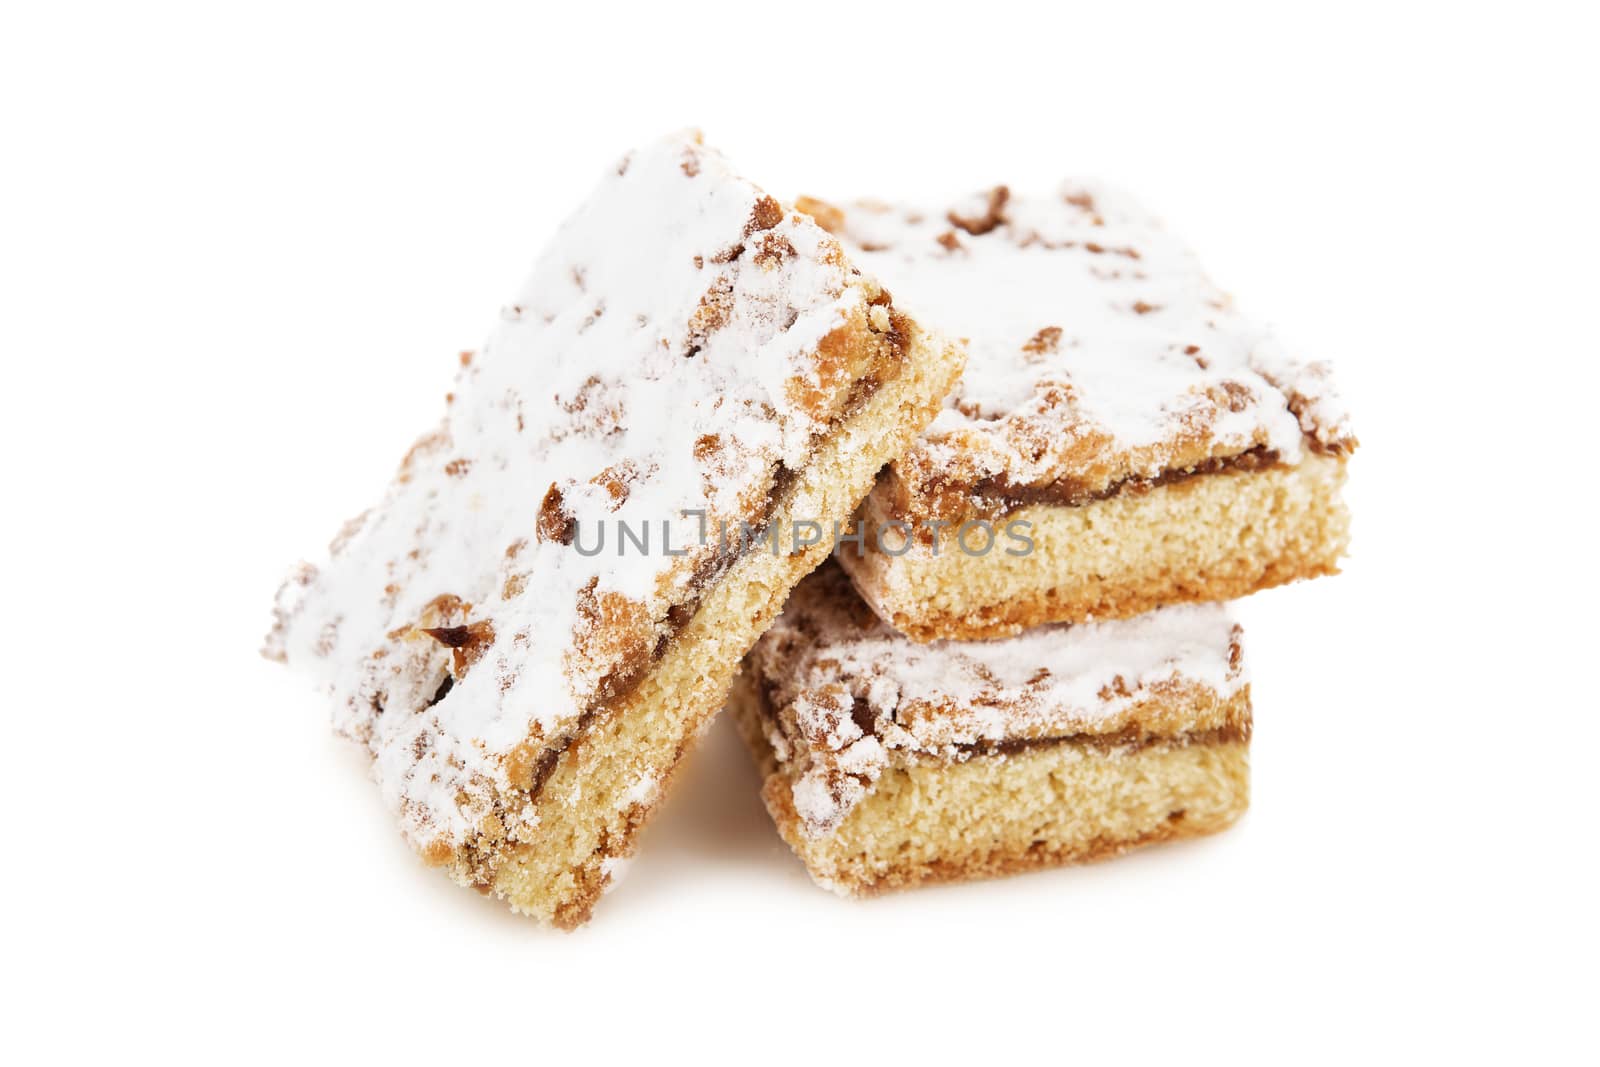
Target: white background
{"points": [[241, 246]]}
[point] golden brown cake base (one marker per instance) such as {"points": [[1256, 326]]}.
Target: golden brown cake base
{"points": [[1208, 537], [589, 802], [929, 820]]}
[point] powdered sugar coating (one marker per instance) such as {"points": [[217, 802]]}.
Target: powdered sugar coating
{"points": [[662, 358], [1098, 350], [842, 691]]}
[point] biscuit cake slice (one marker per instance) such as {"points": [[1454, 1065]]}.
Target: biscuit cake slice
{"points": [[553, 595], [888, 764], [1144, 441]]}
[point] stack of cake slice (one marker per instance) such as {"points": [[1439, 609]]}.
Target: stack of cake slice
{"points": [[1123, 451], [695, 388]]}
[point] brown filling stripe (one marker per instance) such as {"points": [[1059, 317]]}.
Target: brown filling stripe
{"points": [[1128, 739], [998, 490]]}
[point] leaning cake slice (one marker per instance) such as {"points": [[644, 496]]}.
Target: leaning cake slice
{"points": [[888, 764], [547, 604], [1150, 443]]}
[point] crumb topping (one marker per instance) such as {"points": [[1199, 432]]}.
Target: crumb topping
{"points": [[1099, 352], [843, 693], [647, 373]]}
